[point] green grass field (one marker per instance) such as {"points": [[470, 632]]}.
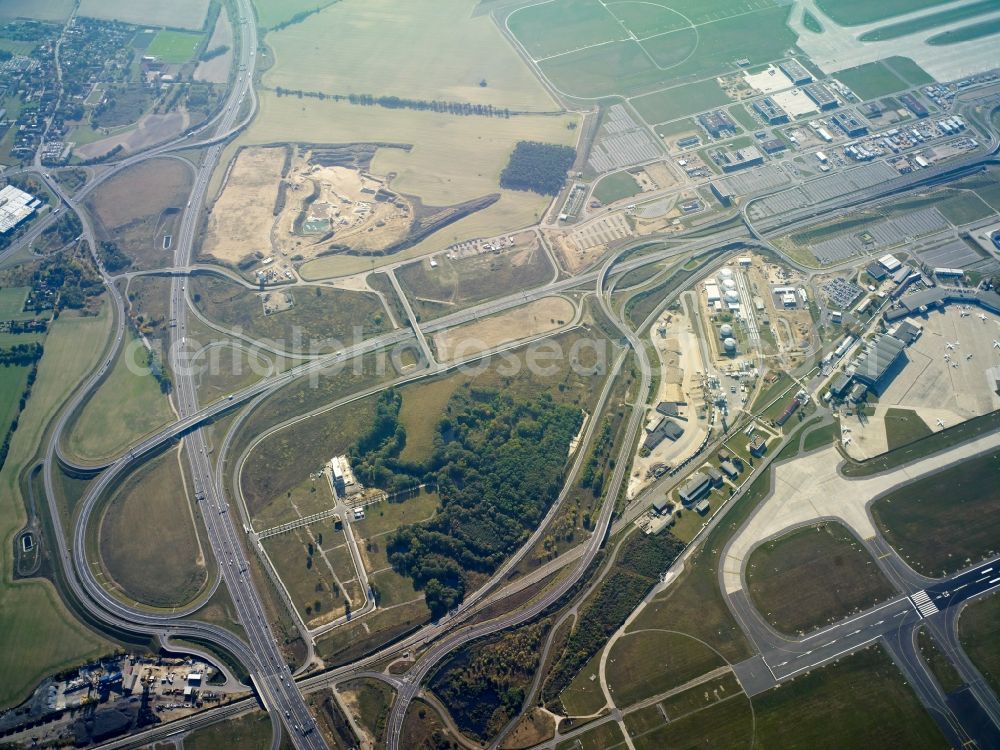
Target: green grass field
{"points": [[861, 700], [859, 12], [604, 737], [562, 26], [423, 407], [928, 22], [12, 382], [643, 664], [871, 80], [320, 319], [615, 187], [904, 426], [460, 282], [680, 101], [149, 544], [813, 576], [966, 33], [178, 14], [431, 51], [12, 303], [946, 521], [979, 628], [253, 730], [124, 408], [41, 635], [943, 670], [174, 46], [812, 23]]}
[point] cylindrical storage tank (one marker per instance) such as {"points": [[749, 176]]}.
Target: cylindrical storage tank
{"points": [[726, 331], [726, 272], [729, 284], [730, 345], [732, 296]]}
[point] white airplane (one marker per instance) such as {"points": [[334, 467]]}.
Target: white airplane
{"points": [[847, 440], [940, 423], [964, 313], [982, 317], [949, 346], [968, 356], [996, 344]]}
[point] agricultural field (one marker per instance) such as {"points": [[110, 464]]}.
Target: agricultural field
{"points": [[944, 522], [629, 49], [177, 14], [41, 10], [216, 70], [125, 407], [425, 51], [453, 159], [316, 319], [140, 206], [979, 628], [458, 282], [270, 13], [148, 537], [647, 662], [42, 635], [174, 46], [811, 577]]}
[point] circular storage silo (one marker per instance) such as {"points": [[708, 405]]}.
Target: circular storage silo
{"points": [[730, 345], [726, 331]]}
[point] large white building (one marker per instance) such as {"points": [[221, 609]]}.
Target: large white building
{"points": [[15, 206]]}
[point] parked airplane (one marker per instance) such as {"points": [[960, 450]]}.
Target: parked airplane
{"points": [[949, 346], [996, 344], [940, 423], [982, 317]]}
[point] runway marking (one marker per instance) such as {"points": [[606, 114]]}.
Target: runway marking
{"points": [[829, 644], [847, 622], [994, 580], [830, 658], [855, 632], [984, 570], [899, 614], [959, 588], [922, 601]]}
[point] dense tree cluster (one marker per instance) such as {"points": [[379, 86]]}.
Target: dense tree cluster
{"points": [[497, 465], [538, 167], [113, 258], [21, 354], [638, 567], [483, 685], [211, 54]]}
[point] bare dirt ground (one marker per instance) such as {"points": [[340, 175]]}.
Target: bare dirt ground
{"points": [[538, 317], [322, 205], [535, 727], [240, 221], [150, 130], [345, 202], [216, 70]]}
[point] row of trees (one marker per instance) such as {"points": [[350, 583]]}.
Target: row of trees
{"points": [[397, 102], [498, 465], [21, 355]]}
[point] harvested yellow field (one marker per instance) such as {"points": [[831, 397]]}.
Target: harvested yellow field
{"points": [[240, 221], [453, 158], [420, 49], [542, 316]]}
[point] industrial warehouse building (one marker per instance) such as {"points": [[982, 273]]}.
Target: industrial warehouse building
{"points": [[821, 96], [663, 429], [879, 361], [796, 73], [695, 488], [15, 206], [770, 112]]}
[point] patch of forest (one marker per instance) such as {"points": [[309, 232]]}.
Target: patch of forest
{"points": [[498, 464], [537, 167]]}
